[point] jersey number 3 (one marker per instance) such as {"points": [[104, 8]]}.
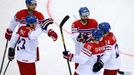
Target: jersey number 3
{"points": [[23, 41]]}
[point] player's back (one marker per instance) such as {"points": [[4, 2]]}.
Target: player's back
{"points": [[110, 39], [114, 62]]}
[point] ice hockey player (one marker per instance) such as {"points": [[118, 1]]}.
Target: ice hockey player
{"points": [[89, 55], [26, 42], [111, 57], [81, 29], [19, 18]]}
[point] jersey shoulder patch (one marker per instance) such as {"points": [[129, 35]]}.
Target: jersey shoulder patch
{"points": [[86, 49], [39, 15]]}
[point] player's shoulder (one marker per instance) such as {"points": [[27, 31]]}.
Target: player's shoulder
{"points": [[110, 38], [39, 15], [94, 48], [76, 23], [87, 49], [21, 13], [111, 33], [93, 20], [88, 45], [22, 27]]}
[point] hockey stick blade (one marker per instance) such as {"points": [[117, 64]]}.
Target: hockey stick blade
{"points": [[124, 72], [64, 20]]}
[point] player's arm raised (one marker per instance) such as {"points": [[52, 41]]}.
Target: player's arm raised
{"points": [[50, 32], [84, 56]]}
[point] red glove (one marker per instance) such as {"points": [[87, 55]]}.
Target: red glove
{"points": [[67, 55], [52, 34], [8, 34], [23, 31]]}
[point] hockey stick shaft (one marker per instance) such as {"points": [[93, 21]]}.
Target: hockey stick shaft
{"points": [[124, 72], [6, 67], [3, 59], [61, 25], [63, 41], [9, 60]]}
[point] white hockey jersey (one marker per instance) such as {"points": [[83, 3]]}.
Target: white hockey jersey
{"points": [[27, 48], [111, 58], [88, 57]]}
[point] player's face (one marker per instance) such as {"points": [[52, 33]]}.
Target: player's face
{"points": [[84, 19], [32, 6]]}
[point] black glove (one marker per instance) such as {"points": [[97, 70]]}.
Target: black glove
{"points": [[46, 22], [67, 55], [82, 37], [98, 66], [11, 53]]}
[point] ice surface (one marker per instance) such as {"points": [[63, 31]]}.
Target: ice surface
{"points": [[119, 13]]}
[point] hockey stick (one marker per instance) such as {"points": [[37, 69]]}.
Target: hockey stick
{"points": [[9, 60], [124, 72], [6, 67], [61, 25], [3, 57]]}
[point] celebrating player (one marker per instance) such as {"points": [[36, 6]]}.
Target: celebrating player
{"points": [[26, 41], [89, 55], [81, 30], [111, 57], [20, 16]]}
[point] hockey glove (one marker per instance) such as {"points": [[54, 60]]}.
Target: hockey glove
{"points": [[52, 34], [98, 66], [67, 55], [11, 53], [8, 34], [46, 22], [82, 37]]}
